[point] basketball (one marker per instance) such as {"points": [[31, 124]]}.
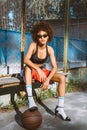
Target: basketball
{"points": [[31, 120]]}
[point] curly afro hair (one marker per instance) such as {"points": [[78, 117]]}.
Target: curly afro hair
{"points": [[42, 26]]}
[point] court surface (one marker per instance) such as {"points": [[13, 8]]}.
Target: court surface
{"points": [[75, 107]]}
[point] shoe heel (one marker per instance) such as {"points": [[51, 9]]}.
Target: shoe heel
{"points": [[56, 111]]}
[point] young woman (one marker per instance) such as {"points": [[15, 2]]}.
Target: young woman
{"points": [[37, 54]]}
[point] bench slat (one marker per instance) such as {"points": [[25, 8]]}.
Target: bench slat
{"points": [[11, 81]]}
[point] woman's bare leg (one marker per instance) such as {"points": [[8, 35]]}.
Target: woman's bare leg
{"points": [[27, 75], [61, 79], [28, 80]]}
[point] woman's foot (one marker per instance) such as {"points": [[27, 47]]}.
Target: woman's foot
{"points": [[32, 104], [34, 108], [60, 113]]}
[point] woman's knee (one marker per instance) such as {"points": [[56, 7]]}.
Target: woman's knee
{"points": [[62, 78], [27, 69], [27, 75]]}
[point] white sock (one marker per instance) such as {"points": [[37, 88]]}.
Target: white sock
{"points": [[31, 102], [61, 107]]}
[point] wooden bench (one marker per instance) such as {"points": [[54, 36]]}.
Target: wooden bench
{"points": [[15, 84], [16, 81], [11, 82]]}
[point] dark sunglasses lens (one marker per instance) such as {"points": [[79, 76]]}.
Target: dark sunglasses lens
{"points": [[40, 36], [45, 35]]}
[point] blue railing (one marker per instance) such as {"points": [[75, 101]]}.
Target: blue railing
{"points": [[10, 47]]}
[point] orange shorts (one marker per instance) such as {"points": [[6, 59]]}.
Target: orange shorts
{"points": [[35, 75]]}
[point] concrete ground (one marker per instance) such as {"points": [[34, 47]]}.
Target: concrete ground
{"points": [[75, 107]]}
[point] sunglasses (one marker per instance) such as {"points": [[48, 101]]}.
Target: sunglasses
{"points": [[40, 36]]}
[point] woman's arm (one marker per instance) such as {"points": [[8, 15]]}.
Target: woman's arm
{"points": [[28, 55], [53, 62], [53, 70]]}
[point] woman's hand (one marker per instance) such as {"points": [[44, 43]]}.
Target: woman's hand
{"points": [[42, 76], [45, 84]]}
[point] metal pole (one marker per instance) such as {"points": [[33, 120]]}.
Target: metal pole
{"points": [[66, 35], [22, 93], [22, 33]]}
